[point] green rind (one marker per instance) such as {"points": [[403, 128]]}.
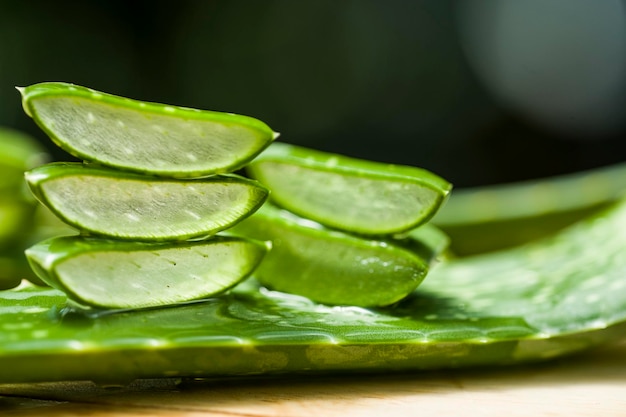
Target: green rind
{"points": [[308, 201], [333, 267], [156, 228], [51, 90], [48, 259]]}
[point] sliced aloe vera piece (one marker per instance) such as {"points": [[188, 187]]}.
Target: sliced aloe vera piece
{"points": [[145, 137], [332, 267], [533, 303], [131, 206], [128, 275], [349, 194], [494, 217]]}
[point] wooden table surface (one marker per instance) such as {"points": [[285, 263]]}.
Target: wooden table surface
{"points": [[591, 384]]}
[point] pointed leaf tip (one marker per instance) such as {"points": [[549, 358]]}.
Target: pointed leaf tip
{"points": [[22, 91]]}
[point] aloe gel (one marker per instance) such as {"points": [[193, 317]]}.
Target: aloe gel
{"points": [[109, 274], [349, 194], [144, 137], [128, 206], [333, 267]]}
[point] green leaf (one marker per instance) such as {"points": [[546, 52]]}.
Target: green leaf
{"points": [[18, 152], [494, 217]]}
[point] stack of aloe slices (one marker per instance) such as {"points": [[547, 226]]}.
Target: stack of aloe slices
{"points": [[156, 189], [534, 302], [345, 231], [160, 175]]}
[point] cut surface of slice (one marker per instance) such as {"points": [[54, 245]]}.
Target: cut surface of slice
{"points": [[127, 275], [130, 206], [329, 266], [349, 194], [144, 137]]}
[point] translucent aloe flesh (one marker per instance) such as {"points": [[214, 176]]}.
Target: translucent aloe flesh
{"points": [[144, 137], [109, 274], [136, 207], [536, 302], [349, 194]]}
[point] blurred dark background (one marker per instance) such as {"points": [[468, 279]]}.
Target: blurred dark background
{"points": [[478, 91]]}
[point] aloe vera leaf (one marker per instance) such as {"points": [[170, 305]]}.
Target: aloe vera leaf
{"points": [[129, 206], [554, 297], [329, 266], [494, 217], [349, 194], [47, 225], [12, 271], [427, 241], [44, 225], [16, 227], [111, 274], [144, 137], [18, 152], [16, 218], [14, 268]]}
